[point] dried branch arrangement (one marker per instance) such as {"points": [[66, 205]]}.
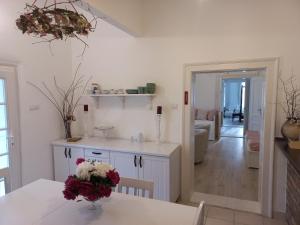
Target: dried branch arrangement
{"points": [[291, 92], [65, 100], [60, 20]]}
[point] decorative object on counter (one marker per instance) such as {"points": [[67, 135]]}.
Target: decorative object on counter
{"points": [[93, 181], [58, 19], [151, 88], [291, 128], [132, 91], [105, 130], [66, 99], [74, 139], [294, 145], [140, 137], [86, 121], [158, 119]]}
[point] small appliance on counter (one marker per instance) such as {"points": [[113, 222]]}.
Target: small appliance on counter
{"points": [[105, 129]]}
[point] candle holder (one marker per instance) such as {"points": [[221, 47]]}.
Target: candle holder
{"points": [[86, 121], [158, 121]]}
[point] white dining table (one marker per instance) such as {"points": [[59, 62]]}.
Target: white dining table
{"points": [[42, 203]]}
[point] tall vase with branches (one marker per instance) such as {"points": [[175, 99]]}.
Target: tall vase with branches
{"points": [[65, 100], [291, 107]]}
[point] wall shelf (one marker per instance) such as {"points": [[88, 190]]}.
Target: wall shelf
{"points": [[122, 97]]}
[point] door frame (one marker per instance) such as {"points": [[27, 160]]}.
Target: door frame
{"points": [[271, 67], [15, 162]]}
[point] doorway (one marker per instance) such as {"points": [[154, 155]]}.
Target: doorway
{"points": [[227, 165], [266, 137], [233, 107], [10, 166]]}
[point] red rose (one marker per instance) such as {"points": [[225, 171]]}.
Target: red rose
{"points": [[113, 176], [105, 191], [86, 188], [69, 194], [79, 160]]}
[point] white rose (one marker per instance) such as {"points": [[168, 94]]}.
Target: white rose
{"points": [[101, 169], [83, 170]]}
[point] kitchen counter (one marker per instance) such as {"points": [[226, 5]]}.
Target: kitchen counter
{"points": [[122, 145], [292, 155]]}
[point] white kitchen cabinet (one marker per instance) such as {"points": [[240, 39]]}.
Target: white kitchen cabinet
{"points": [[159, 163], [65, 161], [156, 169], [125, 163]]}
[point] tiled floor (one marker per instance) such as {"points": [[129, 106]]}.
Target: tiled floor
{"points": [[221, 216]]}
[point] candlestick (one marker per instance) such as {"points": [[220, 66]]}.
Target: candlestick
{"points": [[159, 110], [86, 121]]}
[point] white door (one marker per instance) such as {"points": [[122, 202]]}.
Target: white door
{"points": [[126, 164], [10, 166], [155, 169], [255, 105]]}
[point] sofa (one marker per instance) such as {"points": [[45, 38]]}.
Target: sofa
{"points": [[210, 118], [201, 144]]}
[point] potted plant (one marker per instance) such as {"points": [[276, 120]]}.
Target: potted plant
{"points": [[291, 127], [65, 100], [93, 181]]}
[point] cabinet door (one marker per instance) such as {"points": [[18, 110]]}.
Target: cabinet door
{"points": [[74, 154], [124, 164], [61, 163], [156, 169]]}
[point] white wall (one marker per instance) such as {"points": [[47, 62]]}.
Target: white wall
{"points": [[206, 87], [35, 64]]}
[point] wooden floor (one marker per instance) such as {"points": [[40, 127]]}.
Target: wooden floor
{"points": [[224, 171], [232, 131]]}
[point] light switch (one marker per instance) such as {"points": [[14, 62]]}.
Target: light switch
{"points": [[34, 107]]}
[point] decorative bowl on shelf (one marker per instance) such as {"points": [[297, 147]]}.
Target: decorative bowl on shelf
{"points": [[132, 91]]}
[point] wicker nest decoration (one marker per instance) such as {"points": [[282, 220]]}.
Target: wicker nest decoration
{"points": [[60, 23]]}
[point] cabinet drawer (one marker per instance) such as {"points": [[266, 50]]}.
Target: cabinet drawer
{"points": [[97, 159], [96, 153]]}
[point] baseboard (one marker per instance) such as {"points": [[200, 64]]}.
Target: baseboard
{"points": [[279, 216]]}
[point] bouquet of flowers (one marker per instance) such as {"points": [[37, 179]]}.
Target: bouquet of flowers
{"points": [[93, 180]]}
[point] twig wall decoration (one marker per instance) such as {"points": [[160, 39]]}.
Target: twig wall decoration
{"points": [[59, 20]]}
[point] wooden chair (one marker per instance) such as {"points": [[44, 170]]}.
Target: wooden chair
{"points": [[199, 217], [136, 185]]}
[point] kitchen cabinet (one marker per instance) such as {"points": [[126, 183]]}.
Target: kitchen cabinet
{"points": [[159, 163], [65, 161]]}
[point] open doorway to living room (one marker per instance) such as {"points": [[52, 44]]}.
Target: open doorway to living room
{"points": [[233, 106], [228, 118]]}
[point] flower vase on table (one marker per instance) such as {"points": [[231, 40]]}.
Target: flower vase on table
{"points": [[93, 181]]}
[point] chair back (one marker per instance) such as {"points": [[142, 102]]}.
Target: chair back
{"points": [[139, 187], [200, 214]]}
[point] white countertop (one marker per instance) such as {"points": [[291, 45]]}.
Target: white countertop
{"points": [[42, 203], [123, 145]]}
